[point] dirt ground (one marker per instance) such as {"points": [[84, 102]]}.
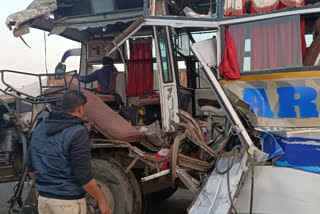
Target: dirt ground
{"points": [[176, 204], [6, 191]]}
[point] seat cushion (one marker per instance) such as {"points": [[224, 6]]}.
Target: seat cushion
{"points": [[146, 102], [312, 52], [208, 102], [108, 122], [106, 98]]}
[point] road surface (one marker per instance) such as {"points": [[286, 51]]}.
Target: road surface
{"points": [[6, 191], [176, 204]]}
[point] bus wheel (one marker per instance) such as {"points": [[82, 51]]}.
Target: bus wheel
{"points": [[136, 190], [114, 185]]}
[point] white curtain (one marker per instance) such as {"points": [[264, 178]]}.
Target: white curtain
{"points": [[263, 6], [234, 7], [293, 3]]}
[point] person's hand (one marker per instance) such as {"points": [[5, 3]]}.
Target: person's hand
{"points": [[37, 195], [104, 207]]}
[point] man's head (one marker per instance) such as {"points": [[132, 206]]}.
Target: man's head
{"points": [[107, 60], [73, 103]]}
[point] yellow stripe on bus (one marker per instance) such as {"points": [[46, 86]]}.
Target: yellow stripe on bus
{"points": [[273, 76]]}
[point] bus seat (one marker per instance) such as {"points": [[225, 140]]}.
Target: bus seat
{"points": [[208, 102], [313, 53], [149, 99], [216, 115], [312, 57], [210, 110], [106, 98], [118, 84]]}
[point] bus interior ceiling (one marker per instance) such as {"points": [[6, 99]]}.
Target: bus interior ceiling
{"points": [[73, 8], [203, 7]]}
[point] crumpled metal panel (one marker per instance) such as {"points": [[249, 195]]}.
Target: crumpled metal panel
{"points": [[280, 100], [214, 197], [36, 9], [283, 146]]}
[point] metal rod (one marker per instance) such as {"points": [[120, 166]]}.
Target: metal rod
{"points": [[157, 175], [38, 99], [132, 164], [124, 36], [6, 106]]}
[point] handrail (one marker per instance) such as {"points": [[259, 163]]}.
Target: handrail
{"points": [[44, 97]]}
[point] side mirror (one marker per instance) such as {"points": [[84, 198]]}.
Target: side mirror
{"points": [[60, 70]]}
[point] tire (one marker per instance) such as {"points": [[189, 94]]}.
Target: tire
{"points": [[115, 186], [136, 190]]}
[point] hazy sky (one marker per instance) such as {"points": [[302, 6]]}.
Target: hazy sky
{"points": [[15, 55]]}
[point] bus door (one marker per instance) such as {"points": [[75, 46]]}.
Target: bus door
{"points": [[167, 77]]}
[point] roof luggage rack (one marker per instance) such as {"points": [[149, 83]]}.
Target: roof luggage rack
{"points": [[48, 93]]}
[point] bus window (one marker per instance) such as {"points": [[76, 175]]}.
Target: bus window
{"points": [[189, 9], [309, 39], [183, 77], [164, 55], [156, 77], [266, 44]]}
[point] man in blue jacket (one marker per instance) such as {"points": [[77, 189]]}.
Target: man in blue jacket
{"points": [[103, 76], [59, 160]]}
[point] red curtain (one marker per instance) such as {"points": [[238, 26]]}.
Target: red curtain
{"points": [[303, 38], [238, 35], [229, 68], [275, 45], [140, 77], [261, 51], [270, 40]]}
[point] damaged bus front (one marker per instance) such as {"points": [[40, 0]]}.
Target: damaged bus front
{"points": [[269, 59]]}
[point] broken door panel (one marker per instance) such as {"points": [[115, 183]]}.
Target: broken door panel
{"points": [[214, 196], [237, 125], [167, 78]]}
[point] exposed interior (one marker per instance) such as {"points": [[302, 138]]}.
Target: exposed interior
{"points": [[193, 84]]}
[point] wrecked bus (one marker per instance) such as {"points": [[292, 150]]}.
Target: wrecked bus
{"points": [[219, 93]]}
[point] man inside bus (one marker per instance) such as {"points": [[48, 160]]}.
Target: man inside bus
{"points": [[103, 76]]}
